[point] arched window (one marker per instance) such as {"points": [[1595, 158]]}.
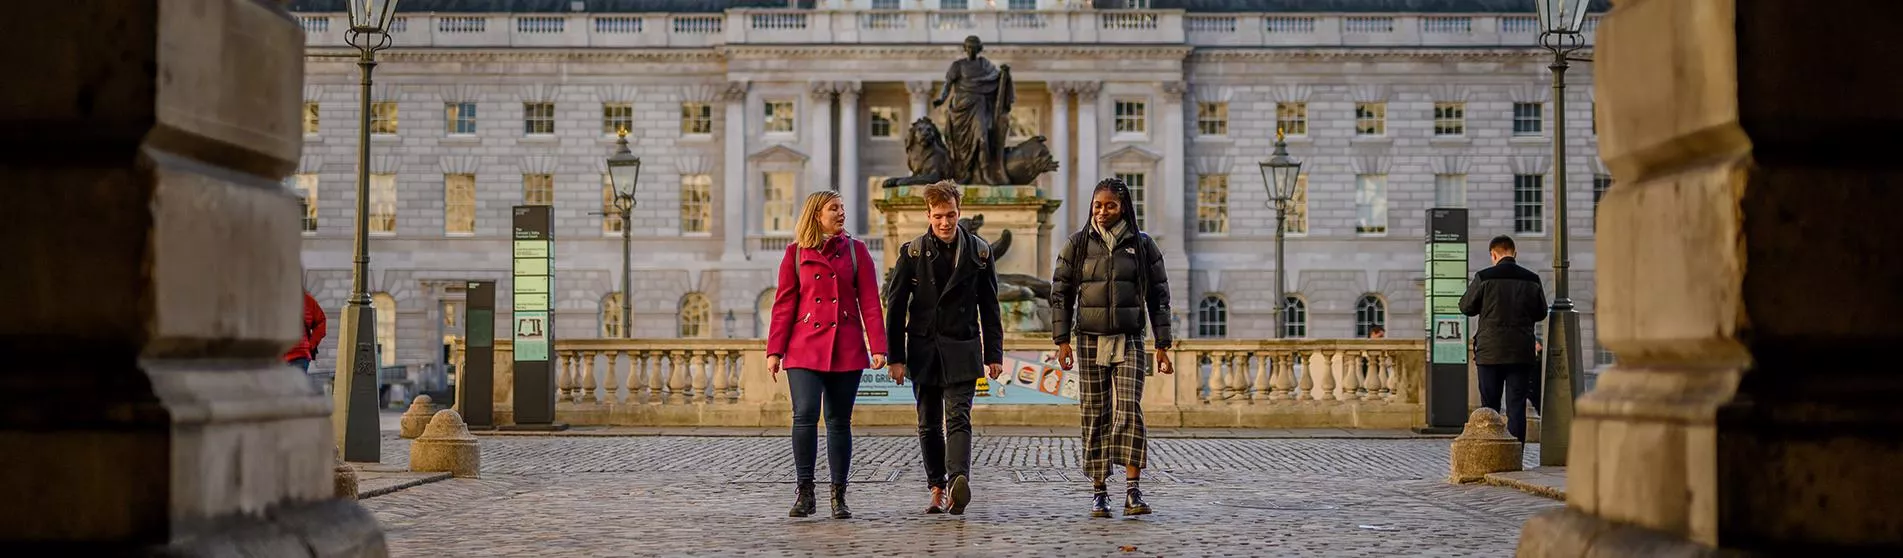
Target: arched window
{"points": [[1212, 317], [1294, 317], [1370, 311], [611, 316], [695, 316], [385, 306], [763, 313]]}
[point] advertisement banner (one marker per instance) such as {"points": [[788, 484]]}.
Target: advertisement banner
{"points": [[1030, 378]]}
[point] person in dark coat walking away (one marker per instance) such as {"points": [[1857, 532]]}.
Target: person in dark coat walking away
{"points": [[1111, 276], [1509, 300], [826, 318], [945, 331], [305, 350]]}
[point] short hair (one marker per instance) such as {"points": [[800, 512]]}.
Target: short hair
{"points": [[1372, 330], [943, 193], [1502, 243]]}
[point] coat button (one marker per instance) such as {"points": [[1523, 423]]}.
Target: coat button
{"points": [[834, 324], [815, 325], [815, 275], [816, 300], [835, 301]]}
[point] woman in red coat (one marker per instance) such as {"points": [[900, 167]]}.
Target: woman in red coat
{"points": [[826, 317]]}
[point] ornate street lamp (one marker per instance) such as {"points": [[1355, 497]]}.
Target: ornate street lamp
{"points": [[354, 411], [730, 324], [624, 172], [1560, 24], [1279, 175]]}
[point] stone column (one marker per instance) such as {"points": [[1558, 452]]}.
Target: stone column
{"points": [[1060, 148], [921, 95], [153, 285], [819, 130], [1167, 201], [851, 188], [1088, 114], [733, 211], [1747, 279]]}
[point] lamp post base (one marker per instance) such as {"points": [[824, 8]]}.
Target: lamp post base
{"points": [[354, 394], [1560, 384]]}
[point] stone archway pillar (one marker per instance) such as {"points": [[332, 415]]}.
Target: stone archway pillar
{"points": [[1750, 281]]}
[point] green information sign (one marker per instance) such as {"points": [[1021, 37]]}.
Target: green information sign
{"points": [[1445, 305], [531, 301], [1449, 269], [1453, 251], [537, 266], [531, 335], [1450, 339], [531, 284], [531, 249]]}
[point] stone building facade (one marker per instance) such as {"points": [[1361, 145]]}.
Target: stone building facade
{"points": [[738, 109]]}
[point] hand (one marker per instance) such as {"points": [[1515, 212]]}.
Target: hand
{"points": [[1065, 359], [1537, 347], [878, 361], [1163, 362], [773, 366], [994, 370], [897, 372]]}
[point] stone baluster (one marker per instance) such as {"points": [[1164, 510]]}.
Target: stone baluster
{"points": [[610, 385], [698, 374], [1305, 386], [722, 384], [1350, 376], [637, 379], [1372, 382], [1283, 378], [1264, 369], [1324, 374], [564, 386], [1236, 386], [588, 384], [736, 363], [677, 380], [1215, 379], [1390, 375]]}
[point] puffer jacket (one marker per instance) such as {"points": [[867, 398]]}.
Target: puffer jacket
{"points": [[1107, 288]]}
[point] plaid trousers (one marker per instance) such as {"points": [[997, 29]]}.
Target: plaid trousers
{"points": [[1111, 400]]}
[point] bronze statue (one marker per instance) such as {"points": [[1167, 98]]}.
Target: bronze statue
{"points": [[971, 150]]}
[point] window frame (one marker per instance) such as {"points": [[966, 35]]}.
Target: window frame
{"points": [[538, 118], [449, 206]]}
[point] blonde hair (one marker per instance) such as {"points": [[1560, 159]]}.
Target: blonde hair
{"points": [[809, 233]]}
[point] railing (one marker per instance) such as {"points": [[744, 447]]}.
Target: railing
{"points": [[770, 243], [779, 26], [1338, 383]]}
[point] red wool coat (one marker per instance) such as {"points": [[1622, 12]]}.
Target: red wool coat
{"points": [[825, 318]]}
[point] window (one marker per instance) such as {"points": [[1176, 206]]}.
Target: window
{"points": [[1450, 190], [1129, 117], [310, 118], [383, 117], [696, 313], [884, 122], [779, 117], [1024, 122], [1135, 180], [538, 189], [305, 184], [763, 313], [616, 117], [1212, 204], [1212, 119], [777, 212], [1294, 317], [1371, 119], [1595, 118], [1527, 119], [1600, 184], [1297, 222], [697, 119], [459, 204], [697, 202], [459, 118], [383, 203], [954, 4], [611, 316], [538, 118], [385, 307], [1371, 204], [1603, 356], [1292, 118], [1529, 203], [1212, 318], [1369, 312], [1021, 5], [1450, 119], [881, 5], [610, 215]]}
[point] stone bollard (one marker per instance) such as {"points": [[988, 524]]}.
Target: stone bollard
{"points": [[1484, 447], [416, 418], [343, 476], [446, 446]]}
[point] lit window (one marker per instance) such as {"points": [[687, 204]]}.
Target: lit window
{"points": [[697, 119], [1292, 118], [696, 312], [459, 203], [1371, 204], [383, 117], [779, 117], [538, 118], [459, 118], [383, 203], [538, 189], [697, 202], [1212, 204], [1212, 119], [884, 122], [616, 117]]}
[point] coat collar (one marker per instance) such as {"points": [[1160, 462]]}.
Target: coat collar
{"points": [[965, 260]]}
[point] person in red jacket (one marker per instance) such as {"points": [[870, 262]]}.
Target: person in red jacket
{"points": [[305, 351], [826, 318]]}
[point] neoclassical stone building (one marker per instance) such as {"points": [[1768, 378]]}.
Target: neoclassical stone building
{"points": [[739, 108]]}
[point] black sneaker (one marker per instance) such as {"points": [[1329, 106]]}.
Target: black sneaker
{"points": [[1133, 503], [960, 494], [1100, 505]]}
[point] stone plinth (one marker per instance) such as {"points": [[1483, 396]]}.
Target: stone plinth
{"points": [[446, 446], [1483, 447], [343, 477], [417, 417], [1020, 213]]}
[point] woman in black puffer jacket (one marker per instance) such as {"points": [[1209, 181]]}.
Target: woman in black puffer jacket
{"points": [[1110, 277]]}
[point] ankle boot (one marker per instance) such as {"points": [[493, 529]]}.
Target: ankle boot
{"points": [[840, 511], [803, 504], [1133, 503]]}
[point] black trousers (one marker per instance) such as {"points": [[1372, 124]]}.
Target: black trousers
{"points": [[837, 390], [944, 429], [1507, 388]]}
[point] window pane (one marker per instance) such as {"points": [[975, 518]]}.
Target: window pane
{"points": [[383, 203], [1135, 182], [459, 118], [697, 118], [306, 186], [1130, 117], [610, 215], [1292, 118], [696, 202], [1369, 312], [695, 313], [538, 189], [310, 118], [1212, 119], [538, 118], [1371, 204], [385, 308], [779, 116], [1527, 119], [1529, 204], [1297, 222], [383, 117], [1450, 119], [459, 203], [1371, 119], [1295, 318], [1450, 190], [884, 121], [778, 208], [616, 117], [1212, 204]]}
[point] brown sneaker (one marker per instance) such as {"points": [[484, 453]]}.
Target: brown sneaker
{"points": [[938, 500]]}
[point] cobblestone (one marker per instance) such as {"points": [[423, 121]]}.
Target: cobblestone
{"points": [[644, 496]]}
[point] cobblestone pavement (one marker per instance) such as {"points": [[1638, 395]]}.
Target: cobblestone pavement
{"points": [[653, 495]]}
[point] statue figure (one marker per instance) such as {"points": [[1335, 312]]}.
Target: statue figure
{"points": [[979, 116]]}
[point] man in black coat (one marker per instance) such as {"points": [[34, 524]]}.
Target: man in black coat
{"points": [[1509, 300], [942, 329]]}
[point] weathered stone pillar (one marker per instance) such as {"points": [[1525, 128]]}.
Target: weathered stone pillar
{"points": [[733, 209], [1748, 278], [851, 189], [819, 130], [1060, 148], [1089, 112], [153, 284]]}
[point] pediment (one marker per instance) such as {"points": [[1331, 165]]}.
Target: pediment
{"points": [[780, 153], [1133, 154]]}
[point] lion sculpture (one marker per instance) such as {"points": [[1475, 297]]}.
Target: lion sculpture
{"points": [[930, 161]]}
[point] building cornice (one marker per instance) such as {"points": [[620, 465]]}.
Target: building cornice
{"points": [[525, 55], [1220, 54], [946, 52], [933, 52]]}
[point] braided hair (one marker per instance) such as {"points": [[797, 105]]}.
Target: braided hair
{"points": [[1125, 201]]}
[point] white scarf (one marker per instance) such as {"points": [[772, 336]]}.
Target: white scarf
{"points": [[1110, 347]]}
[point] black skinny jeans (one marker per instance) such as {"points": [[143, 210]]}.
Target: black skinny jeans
{"points": [[837, 390]]}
